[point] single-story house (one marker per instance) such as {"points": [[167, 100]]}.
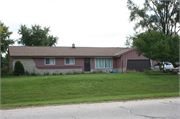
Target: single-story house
{"points": [[45, 59]]}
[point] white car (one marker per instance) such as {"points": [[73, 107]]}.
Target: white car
{"points": [[167, 66]]}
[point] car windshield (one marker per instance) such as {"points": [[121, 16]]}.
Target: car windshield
{"points": [[168, 63]]}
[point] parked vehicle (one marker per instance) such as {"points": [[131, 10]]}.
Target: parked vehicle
{"points": [[167, 66]]}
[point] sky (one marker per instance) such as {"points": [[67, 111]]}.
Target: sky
{"points": [[86, 23]]}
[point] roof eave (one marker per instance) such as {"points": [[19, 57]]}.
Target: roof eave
{"points": [[126, 52]]}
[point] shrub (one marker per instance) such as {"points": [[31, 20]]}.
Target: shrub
{"points": [[146, 71], [100, 71], [167, 71], [27, 73], [131, 71], [33, 74], [4, 71], [18, 68], [46, 73], [54, 74], [67, 73]]}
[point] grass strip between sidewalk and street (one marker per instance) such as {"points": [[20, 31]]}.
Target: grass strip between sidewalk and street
{"points": [[27, 91]]}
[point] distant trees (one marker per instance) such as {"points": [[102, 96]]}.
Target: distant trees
{"points": [[155, 15], [36, 36]]}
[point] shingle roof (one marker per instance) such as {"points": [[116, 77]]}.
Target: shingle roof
{"points": [[65, 51]]}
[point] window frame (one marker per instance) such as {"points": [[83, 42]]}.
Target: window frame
{"points": [[69, 58], [105, 62], [49, 58]]}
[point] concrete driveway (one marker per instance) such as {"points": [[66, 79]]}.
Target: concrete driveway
{"points": [[168, 108]]}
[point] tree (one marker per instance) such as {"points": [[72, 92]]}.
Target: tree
{"points": [[5, 37], [2, 61], [156, 15], [36, 36], [18, 68], [158, 46]]}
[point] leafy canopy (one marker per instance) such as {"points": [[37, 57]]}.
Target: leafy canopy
{"points": [[158, 15], [36, 36], [158, 46], [5, 37]]}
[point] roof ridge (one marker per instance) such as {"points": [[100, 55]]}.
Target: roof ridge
{"points": [[70, 47]]}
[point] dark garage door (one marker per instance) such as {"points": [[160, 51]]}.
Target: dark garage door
{"points": [[138, 64]]}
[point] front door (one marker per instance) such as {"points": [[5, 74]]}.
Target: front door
{"points": [[86, 64]]}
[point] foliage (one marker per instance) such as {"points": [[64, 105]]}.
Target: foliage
{"points": [[18, 68], [46, 73], [6, 61], [151, 72], [5, 37], [156, 15], [67, 89], [132, 71], [4, 71], [27, 73], [158, 46], [2, 61], [33, 74], [36, 36]]}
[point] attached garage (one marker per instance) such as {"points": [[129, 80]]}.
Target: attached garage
{"points": [[138, 64]]}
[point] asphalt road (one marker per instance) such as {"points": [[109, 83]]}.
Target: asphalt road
{"points": [[168, 108]]}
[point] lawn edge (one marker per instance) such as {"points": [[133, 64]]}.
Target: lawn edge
{"points": [[101, 99]]}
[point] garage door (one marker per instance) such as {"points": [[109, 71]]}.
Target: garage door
{"points": [[138, 64]]}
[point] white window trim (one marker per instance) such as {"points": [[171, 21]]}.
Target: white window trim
{"points": [[50, 58], [104, 58], [71, 58]]}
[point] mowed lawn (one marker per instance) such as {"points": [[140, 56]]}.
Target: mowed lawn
{"points": [[67, 89]]}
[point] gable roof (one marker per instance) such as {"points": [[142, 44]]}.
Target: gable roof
{"points": [[46, 51]]}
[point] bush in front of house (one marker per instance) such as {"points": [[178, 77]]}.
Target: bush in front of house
{"points": [[18, 68], [4, 71]]}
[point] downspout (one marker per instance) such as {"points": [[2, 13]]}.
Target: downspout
{"points": [[122, 66], [122, 62]]}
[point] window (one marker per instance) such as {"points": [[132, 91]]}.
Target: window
{"points": [[168, 63], [69, 61], [103, 62], [49, 61]]}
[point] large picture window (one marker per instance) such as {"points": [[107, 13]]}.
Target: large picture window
{"points": [[69, 61], [49, 61], [103, 62]]}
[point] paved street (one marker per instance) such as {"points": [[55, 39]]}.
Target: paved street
{"points": [[168, 108]]}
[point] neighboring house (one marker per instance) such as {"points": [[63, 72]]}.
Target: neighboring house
{"points": [[41, 59]]}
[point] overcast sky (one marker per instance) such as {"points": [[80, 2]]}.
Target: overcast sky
{"points": [[89, 23]]}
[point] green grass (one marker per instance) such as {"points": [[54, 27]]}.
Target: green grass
{"points": [[67, 89]]}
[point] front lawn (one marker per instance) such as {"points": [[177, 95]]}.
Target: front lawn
{"points": [[66, 89]]}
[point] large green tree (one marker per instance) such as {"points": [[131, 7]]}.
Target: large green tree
{"points": [[158, 46], [5, 37], [5, 40], [156, 15], [36, 36]]}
